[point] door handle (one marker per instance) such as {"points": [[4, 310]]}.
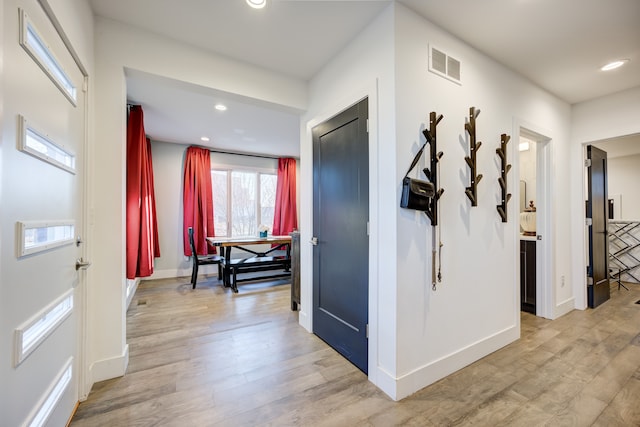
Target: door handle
{"points": [[82, 264], [314, 241]]}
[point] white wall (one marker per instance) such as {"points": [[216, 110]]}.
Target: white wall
{"points": [[624, 176], [602, 118], [119, 47], [5, 356], [76, 17], [606, 117], [168, 163], [420, 335], [475, 309]]}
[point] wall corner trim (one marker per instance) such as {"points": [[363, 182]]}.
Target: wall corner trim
{"points": [[107, 369]]}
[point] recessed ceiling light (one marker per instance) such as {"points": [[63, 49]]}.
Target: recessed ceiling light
{"points": [[221, 107], [204, 139], [257, 4], [615, 64]]}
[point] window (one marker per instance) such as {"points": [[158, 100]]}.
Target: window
{"points": [[31, 334], [242, 201], [36, 47], [38, 145], [38, 236]]}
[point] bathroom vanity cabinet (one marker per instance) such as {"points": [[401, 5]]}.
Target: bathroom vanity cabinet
{"points": [[528, 275]]}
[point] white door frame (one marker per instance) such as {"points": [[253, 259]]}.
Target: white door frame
{"points": [[376, 252], [81, 365], [545, 294]]}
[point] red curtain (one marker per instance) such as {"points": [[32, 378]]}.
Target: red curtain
{"points": [[285, 218], [197, 200], [142, 224]]}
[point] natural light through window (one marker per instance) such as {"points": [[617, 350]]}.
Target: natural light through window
{"points": [[242, 201], [33, 332], [38, 145], [38, 49], [268, 187], [41, 236]]}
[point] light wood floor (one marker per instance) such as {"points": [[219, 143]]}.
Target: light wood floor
{"points": [[211, 358]]}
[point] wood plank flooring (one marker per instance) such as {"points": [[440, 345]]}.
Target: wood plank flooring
{"points": [[208, 357]]}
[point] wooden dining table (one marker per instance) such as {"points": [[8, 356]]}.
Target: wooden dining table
{"points": [[247, 245]]}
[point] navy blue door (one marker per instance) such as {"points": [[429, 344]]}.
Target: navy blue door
{"points": [[598, 287], [340, 225]]}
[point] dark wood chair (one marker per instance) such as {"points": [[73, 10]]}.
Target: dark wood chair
{"points": [[199, 260]]}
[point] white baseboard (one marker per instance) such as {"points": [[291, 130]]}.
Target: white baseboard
{"points": [[170, 274], [304, 320], [107, 369], [205, 270], [407, 384], [132, 286], [564, 307]]}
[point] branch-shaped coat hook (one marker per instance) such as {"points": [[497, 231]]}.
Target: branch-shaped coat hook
{"points": [[432, 171], [432, 175], [502, 179], [470, 126]]}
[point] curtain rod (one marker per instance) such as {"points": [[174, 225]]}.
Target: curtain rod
{"points": [[129, 105], [264, 156]]}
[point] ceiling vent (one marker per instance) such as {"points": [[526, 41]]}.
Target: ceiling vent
{"points": [[444, 65]]}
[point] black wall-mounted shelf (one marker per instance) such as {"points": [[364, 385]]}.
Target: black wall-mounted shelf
{"points": [[502, 179], [470, 126], [432, 171]]}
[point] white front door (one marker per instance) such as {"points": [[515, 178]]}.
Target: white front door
{"points": [[42, 142]]}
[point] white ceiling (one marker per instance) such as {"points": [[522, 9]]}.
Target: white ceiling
{"points": [[559, 45], [182, 113]]}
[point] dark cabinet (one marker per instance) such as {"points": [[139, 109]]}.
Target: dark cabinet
{"points": [[528, 276], [295, 270]]}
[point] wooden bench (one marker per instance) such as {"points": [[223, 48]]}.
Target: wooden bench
{"points": [[256, 264]]}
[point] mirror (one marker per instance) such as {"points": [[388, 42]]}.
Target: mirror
{"points": [[523, 195]]}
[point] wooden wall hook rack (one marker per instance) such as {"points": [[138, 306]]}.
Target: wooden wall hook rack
{"points": [[432, 171], [502, 179], [470, 126]]}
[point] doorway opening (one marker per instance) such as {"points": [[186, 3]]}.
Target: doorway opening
{"points": [[534, 156], [622, 208], [527, 217]]}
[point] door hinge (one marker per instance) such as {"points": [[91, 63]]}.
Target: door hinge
{"points": [[368, 229], [85, 85], [589, 222], [367, 330], [587, 163], [589, 281], [367, 125]]}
